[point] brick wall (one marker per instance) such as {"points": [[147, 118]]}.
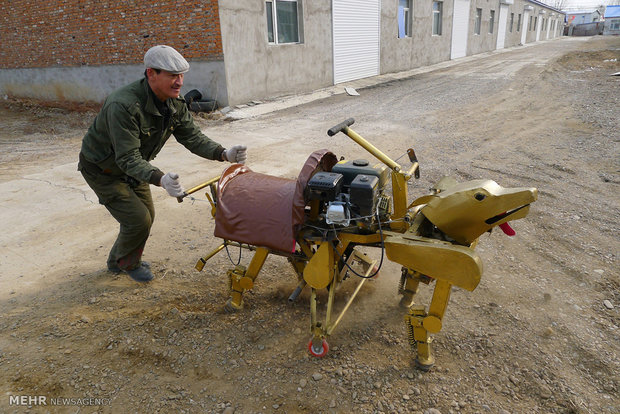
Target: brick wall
{"points": [[57, 33]]}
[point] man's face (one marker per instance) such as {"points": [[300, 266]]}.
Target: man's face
{"points": [[165, 84]]}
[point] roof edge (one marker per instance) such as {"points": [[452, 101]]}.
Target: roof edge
{"points": [[539, 3]]}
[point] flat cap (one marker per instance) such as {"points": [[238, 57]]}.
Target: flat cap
{"points": [[165, 58]]}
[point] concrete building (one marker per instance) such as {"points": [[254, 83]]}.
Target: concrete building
{"points": [[584, 23], [612, 21], [574, 18], [242, 50]]}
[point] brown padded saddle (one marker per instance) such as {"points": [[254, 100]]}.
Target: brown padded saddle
{"points": [[263, 210]]}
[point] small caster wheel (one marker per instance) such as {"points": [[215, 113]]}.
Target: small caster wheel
{"points": [[319, 351], [375, 272], [230, 307]]}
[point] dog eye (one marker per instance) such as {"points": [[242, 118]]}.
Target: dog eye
{"points": [[480, 196]]}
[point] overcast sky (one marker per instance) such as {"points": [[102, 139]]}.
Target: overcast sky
{"points": [[581, 4]]}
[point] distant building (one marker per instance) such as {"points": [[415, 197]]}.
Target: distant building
{"points": [[573, 18], [243, 50], [612, 21]]}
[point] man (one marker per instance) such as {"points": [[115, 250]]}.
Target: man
{"points": [[129, 131]]}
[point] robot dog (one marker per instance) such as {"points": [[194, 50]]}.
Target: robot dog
{"points": [[319, 220]]}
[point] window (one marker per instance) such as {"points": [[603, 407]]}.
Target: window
{"points": [[535, 22], [614, 25], [437, 16], [491, 21], [512, 20], [404, 18], [283, 21], [519, 23], [529, 27], [478, 21]]}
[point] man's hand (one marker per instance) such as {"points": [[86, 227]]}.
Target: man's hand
{"points": [[170, 182], [236, 154]]}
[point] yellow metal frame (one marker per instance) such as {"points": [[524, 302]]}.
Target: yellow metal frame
{"points": [[425, 259]]}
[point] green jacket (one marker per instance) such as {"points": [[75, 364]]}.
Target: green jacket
{"points": [[129, 132]]}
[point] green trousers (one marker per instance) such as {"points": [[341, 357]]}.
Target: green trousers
{"points": [[131, 204]]}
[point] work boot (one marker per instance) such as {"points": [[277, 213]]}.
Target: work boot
{"points": [[115, 269], [141, 273]]}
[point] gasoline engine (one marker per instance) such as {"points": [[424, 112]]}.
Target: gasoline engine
{"points": [[352, 194]]}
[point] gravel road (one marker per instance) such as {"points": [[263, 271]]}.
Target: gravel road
{"points": [[538, 335]]}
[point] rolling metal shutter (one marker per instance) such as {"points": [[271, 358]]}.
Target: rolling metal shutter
{"points": [[460, 27], [356, 31], [539, 25], [524, 27], [501, 27]]}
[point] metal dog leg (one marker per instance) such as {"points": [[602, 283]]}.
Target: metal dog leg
{"points": [[420, 324], [242, 279]]}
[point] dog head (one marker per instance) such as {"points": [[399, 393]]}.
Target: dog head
{"points": [[465, 211]]}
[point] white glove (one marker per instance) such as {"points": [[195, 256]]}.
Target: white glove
{"points": [[170, 182], [236, 154]]}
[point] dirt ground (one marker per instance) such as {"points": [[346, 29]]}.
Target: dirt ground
{"points": [[539, 335]]}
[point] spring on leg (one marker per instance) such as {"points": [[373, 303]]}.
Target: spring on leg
{"points": [[412, 341]]}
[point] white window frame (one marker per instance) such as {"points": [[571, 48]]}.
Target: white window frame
{"points": [[478, 21], [271, 11], [437, 18], [491, 21], [407, 18]]}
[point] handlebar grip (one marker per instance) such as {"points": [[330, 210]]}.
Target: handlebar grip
{"points": [[336, 129], [180, 199]]}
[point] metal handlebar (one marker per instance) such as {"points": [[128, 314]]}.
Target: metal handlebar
{"points": [[198, 188], [344, 127], [340, 127]]}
